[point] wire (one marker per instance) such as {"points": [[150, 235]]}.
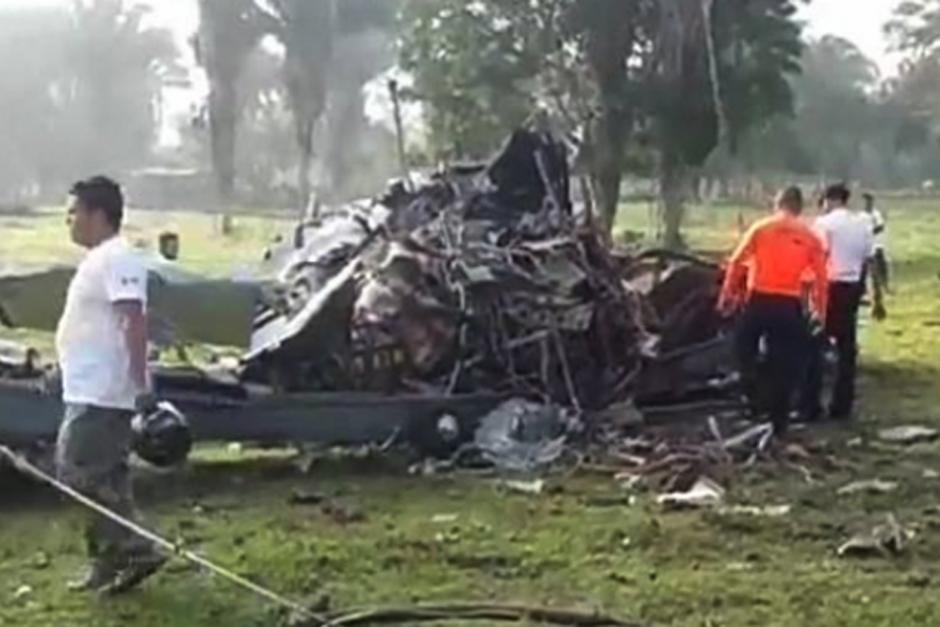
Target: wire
{"points": [[26, 467]]}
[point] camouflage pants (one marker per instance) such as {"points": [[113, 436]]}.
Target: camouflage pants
{"points": [[91, 456]]}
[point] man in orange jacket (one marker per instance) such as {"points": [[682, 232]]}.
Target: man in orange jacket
{"points": [[775, 256]]}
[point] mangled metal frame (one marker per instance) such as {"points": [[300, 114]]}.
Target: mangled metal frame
{"points": [[400, 311]]}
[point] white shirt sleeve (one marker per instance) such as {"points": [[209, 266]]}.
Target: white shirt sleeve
{"points": [[126, 279]]}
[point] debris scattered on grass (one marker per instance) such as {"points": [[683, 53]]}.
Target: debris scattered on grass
{"points": [[763, 511], [609, 500], [796, 451], [883, 540], [930, 473], [22, 592], [704, 493], [343, 513], [521, 436], [534, 487], [908, 434], [41, 561], [303, 497], [871, 486], [628, 480]]}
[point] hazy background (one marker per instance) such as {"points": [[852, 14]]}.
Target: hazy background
{"points": [[104, 85]]}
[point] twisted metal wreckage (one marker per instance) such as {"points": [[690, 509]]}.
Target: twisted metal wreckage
{"points": [[473, 310]]}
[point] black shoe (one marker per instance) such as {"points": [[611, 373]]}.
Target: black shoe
{"points": [[140, 569]]}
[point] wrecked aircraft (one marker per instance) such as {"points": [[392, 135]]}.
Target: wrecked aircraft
{"points": [[446, 300]]}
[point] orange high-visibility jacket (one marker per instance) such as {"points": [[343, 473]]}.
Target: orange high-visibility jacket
{"points": [[776, 254]]}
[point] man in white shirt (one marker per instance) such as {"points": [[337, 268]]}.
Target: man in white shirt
{"points": [[849, 240], [102, 348], [880, 271]]}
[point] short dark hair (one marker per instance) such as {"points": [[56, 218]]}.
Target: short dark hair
{"points": [[791, 199], [838, 192], [100, 193], [868, 196]]}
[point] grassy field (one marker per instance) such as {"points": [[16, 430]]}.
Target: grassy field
{"points": [[568, 547]]}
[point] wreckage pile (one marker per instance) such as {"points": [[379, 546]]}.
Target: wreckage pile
{"points": [[481, 280]]}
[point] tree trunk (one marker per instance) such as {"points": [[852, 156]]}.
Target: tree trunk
{"points": [[223, 118], [222, 121], [609, 135], [305, 143], [672, 182]]}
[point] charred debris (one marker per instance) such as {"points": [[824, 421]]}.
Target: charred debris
{"points": [[484, 279]]}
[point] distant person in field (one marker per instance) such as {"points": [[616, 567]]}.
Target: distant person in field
{"points": [[102, 348], [880, 270]]}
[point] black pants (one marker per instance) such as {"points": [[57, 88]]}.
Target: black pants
{"points": [[779, 320], [881, 267], [841, 328]]}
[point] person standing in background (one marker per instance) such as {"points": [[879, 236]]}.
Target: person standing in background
{"points": [[775, 256], [849, 240], [880, 270]]}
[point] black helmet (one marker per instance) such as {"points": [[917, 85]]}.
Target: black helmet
{"points": [[162, 436]]}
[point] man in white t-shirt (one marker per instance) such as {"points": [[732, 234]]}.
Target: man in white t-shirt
{"points": [[880, 270], [849, 240], [102, 347]]}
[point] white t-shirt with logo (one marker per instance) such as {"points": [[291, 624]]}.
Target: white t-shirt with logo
{"points": [[93, 354], [850, 241]]}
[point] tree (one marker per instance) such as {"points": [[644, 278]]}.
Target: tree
{"points": [[847, 123], [90, 82], [306, 30], [311, 32], [838, 86], [915, 29], [349, 139], [663, 77], [117, 66], [482, 69], [474, 66], [229, 30], [608, 32], [719, 69], [265, 129], [34, 94]]}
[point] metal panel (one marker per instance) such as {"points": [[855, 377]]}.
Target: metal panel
{"points": [[27, 415], [191, 308]]}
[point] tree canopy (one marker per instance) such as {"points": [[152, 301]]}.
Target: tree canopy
{"points": [[91, 82], [665, 77]]}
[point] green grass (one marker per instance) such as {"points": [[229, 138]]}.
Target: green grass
{"points": [[692, 568], [43, 239]]}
